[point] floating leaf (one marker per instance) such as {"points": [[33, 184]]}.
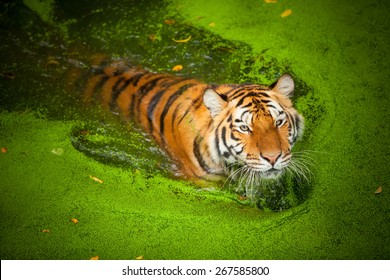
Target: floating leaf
{"points": [[378, 190], [58, 151], [169, 21], [52, 62], [139, 258], [137, 172], [152, 37], [75, 221], [182, 40], [45, 230], [4, 150], [8, 75], [177, 68], [96, 179], [270, 1], [286, 13], [95, 258], [212, 24]]}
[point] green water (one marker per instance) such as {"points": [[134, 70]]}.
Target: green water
{"points": [[337, 53]]}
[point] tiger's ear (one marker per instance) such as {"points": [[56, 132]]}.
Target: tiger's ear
{"points": [[214, 102], [285, 85]]}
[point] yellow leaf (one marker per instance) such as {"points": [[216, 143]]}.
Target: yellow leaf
{"points": [[8, 75], [286, 13], [58, 151], [177, 68], [139, 258], [212, 24], [4, 150], [169, 21], [378, 190], [45, 230], [53, 62], [75, 221], [152, 37], [270, 1], [182, 40], [96, 179], [95, 258]]}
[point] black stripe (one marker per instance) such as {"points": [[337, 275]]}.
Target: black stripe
{"points": [[272, 106], [195, 104], [247, 105], [174, 115], [198, 102], [98, 86], [230, 91], [132, 105], [147, 87], [120, 71], [152, 106], [239, 152], [224, 137], [172, 81], [239, 92], [115, 92], [169, 103], [142, 92], [225, 143], [224, 97], [232, 136], [198, 154], [295, 123], [243, 113], [250, 94], [230, 118], [216, 140], [263, 94]]}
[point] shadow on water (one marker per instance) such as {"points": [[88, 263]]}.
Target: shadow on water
{"points": [[41, 45]]}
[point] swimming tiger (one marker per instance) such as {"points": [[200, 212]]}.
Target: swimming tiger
{"points": [[209, 130]]}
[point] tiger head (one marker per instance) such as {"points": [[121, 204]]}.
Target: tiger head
{"points": [[255, 127]]}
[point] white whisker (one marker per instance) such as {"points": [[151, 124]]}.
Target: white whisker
{"points": [[257, 185]]}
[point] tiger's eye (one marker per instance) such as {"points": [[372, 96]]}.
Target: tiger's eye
{"points": [[244, 128], [279, 122]]}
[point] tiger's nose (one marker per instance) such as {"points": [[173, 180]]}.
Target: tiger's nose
{"points": [[271, 158]]}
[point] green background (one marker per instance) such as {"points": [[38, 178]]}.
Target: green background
{"points": [[339, 48]]}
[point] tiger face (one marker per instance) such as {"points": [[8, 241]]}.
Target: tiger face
{"points": [[255, 127]]}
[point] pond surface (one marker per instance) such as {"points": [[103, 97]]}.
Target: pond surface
{"points": [[51, 49]]}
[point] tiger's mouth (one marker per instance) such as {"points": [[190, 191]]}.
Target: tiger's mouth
{"points": [[271, 173]]}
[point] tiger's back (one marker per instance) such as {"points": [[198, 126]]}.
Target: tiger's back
{"points": [[205, 128]]}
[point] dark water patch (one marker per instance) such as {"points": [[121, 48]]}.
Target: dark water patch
{"points": [[111, 144]]}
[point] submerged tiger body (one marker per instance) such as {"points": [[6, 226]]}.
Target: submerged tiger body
{"points": [[209, 130]]}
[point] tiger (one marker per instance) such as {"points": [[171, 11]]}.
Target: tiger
{"points": [[209, 130]]}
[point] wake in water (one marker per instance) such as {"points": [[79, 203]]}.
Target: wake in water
{"points": [[268, 192]]}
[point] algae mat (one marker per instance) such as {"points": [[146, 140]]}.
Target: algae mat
{"points": [[51, 208]]}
